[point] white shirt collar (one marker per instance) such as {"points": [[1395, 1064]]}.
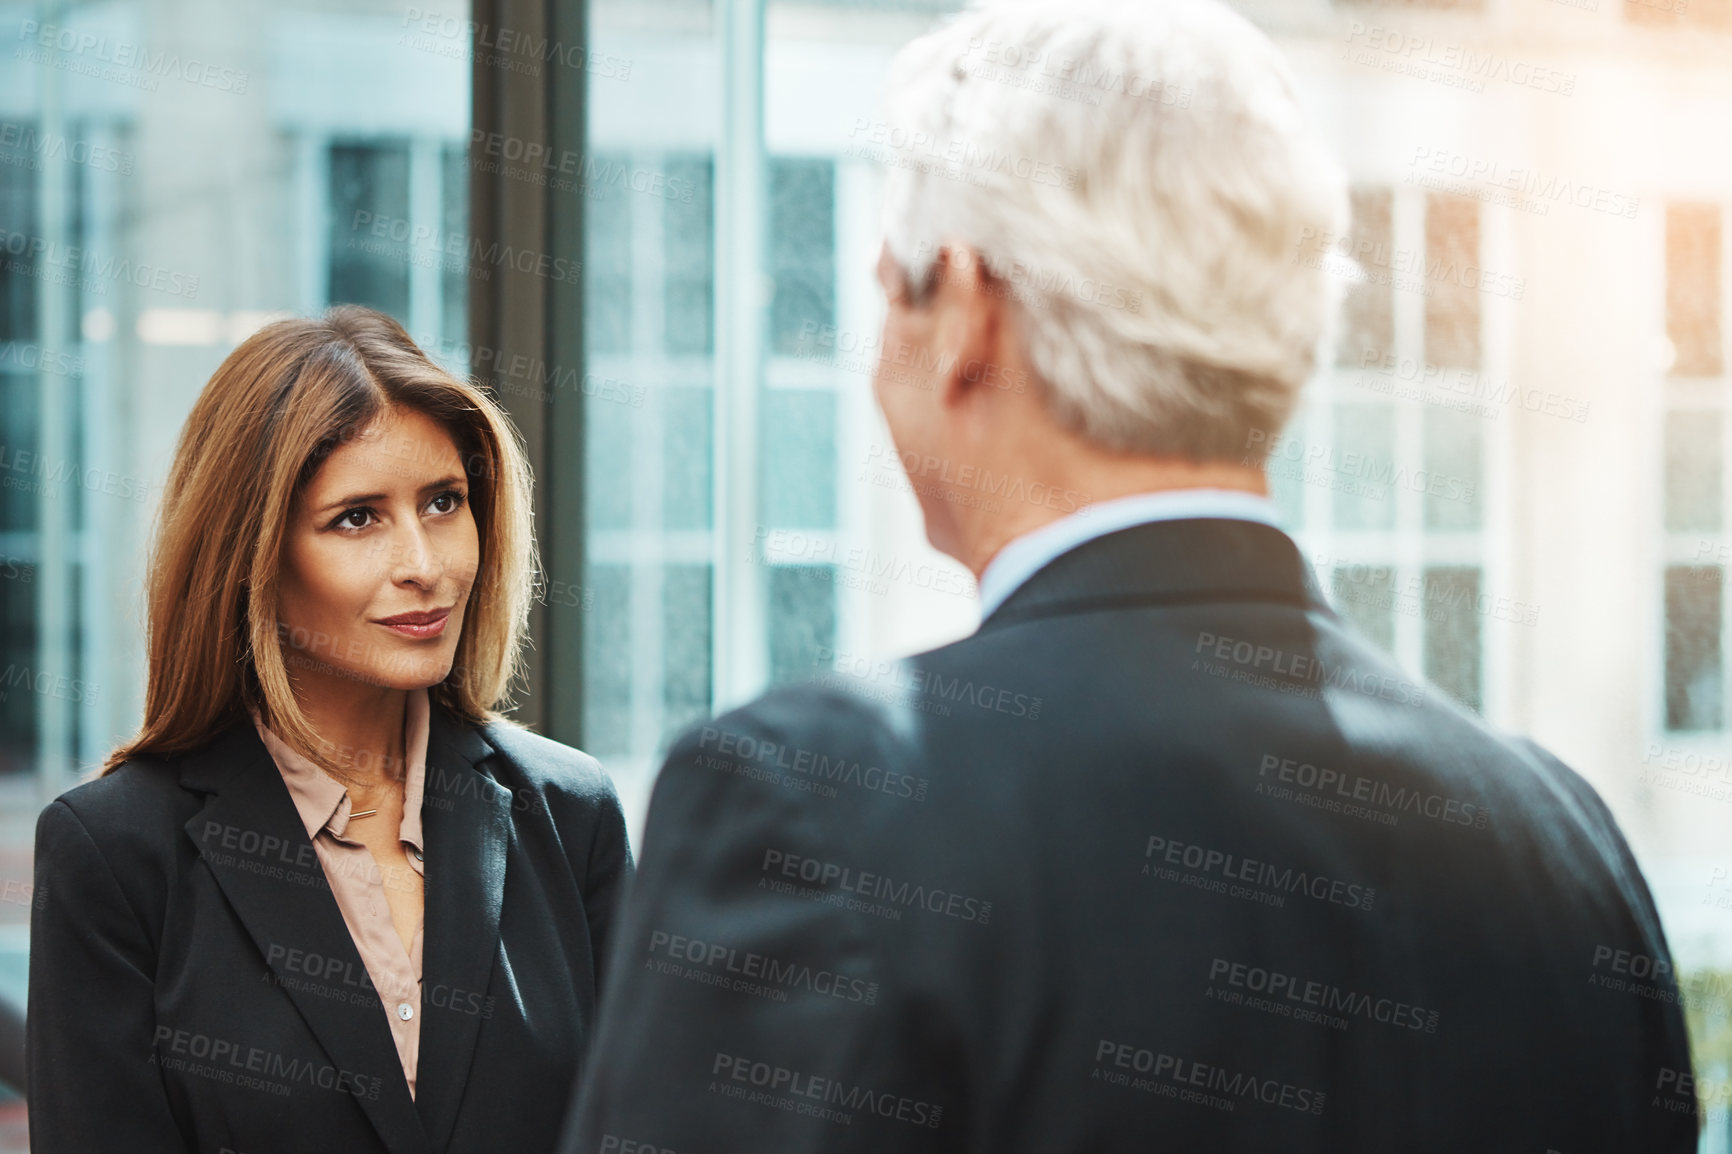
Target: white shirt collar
{"points": [[1026, 555]]}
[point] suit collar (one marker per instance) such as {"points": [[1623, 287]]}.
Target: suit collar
{"points": [[255, 845], [1024, 556], [1191, 560]]}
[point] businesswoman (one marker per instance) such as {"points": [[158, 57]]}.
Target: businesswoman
{"points": [[327, 898]]}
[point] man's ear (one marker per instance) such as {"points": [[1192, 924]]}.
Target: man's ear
{"points": [[971, 306]]}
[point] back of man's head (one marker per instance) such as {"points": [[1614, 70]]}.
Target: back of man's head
{"points": [[1142, 178]]}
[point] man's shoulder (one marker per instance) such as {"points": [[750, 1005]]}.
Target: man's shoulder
{"points": [[830, 715]]}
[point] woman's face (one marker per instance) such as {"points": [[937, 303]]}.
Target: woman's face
{"points": [[380, 554]]}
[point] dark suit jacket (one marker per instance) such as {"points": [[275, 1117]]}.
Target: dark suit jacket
{"points": [[193, 986], [1162, 858]]}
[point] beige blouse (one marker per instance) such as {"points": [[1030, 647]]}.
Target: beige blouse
{"points": [[358, 882]]}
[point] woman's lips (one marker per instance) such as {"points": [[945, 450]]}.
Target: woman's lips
{"points": [[430, 623]]}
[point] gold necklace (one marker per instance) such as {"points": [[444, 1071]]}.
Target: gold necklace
{"points": [[352, 786]]}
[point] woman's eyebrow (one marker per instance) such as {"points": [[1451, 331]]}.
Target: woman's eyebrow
{"points": [[358, 498]]}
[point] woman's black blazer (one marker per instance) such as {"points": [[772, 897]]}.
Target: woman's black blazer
{"points": [[193, 986]]}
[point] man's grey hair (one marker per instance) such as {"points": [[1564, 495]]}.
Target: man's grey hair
{"points": [[1143, 184]]}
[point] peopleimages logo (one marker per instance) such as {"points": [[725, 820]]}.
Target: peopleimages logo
{"points": [[36, 359], [514, 48], [846, 880], [796, 1085], [461, 246], [1366, 468], [229, 1059], [27, 148], [1309, 1000], [92, 49], [749, 972], [817, 764], [1199, 1083], [1163, 853], [1351, 786], [64, 264]]}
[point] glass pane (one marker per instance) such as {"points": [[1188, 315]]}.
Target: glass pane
{"points": [[802, 250], [690, 285], [1360, 466], [370, 226], [1286, 476], [1694, 693], [18, 225], [802, 619], [1693, 289], [19, 419], [1694, 444], [1452, 632], [18, 646], [607, 467], [607, 240], [650, 288], [686, 644], [799, 459], [1454, 492], [22, 365], [607, 662], [1365, 596], [1367, 312], [1452, 264], [686, 460], [454, 222]]}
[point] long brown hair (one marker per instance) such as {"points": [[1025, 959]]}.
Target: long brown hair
{"points": [[269, 417]]}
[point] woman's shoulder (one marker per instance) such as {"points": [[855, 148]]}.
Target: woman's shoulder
{"points": [[566, 793], [542, 764], [138, 799], [117, 833]]}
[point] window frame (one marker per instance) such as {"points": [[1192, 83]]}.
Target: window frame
{"points": [[1409, 547], [515, 313], [1677, 548]]}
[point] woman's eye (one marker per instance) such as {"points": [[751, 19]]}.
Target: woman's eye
{"points": [[453, 500], [348, 519]]}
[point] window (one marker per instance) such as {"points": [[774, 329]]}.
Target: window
{"points": [[837, 564], [1694, 658], [649, 320], [21, 359], [1382, 476], [1693, 289], [370, 227], [1693, 491]]}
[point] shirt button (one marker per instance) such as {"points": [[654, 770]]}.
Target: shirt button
{"points": [[405, 1011]]}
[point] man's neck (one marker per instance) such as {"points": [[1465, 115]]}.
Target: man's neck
{"points": [[1097, 480]]}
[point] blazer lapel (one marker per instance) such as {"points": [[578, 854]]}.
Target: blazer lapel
{"points": [[253, 842], [466, 826]]}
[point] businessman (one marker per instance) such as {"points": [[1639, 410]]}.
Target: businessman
{"points": [[1163, 857]]}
